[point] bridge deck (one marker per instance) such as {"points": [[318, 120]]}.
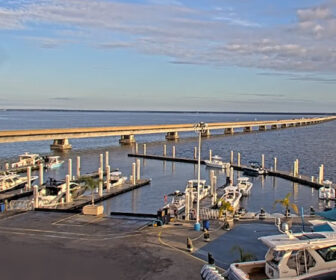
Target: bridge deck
{"points": [[87, 132]]}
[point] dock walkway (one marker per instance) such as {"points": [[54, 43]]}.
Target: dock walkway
{"points": [[301, 179], [77, 205]]}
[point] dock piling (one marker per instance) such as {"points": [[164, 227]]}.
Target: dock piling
{"points": [[275, 164], [210, 155], [231, 176], [138, 169], [195, 152], [144, 149], [133, 181], [187, 205], [211, 175], [108, 178], [36, 196], [164, 150], [262, 161], [101, 161], [231, 157], [70, 168], [107, 158], [78, 167], [67, 193], [214, 190], [174, 151], [238, 159], [28, 177], [136, 148], [321, 174], [41, 174], [100, 188]]}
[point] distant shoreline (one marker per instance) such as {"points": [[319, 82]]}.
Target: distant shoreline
{"points": [[172, 112]]}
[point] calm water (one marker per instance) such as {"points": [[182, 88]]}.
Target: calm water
{"points": [[312, 145]]}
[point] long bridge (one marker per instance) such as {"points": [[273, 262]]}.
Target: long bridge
{"points": [[61, 136]]}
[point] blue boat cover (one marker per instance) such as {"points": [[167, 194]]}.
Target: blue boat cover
{"points": [[330, 214], [323, 227]]}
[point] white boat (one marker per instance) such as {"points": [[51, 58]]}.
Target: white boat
{"points": [[28, 159], [52, 162], [254, 169], [116, 178], [327, 191], [292, 257], [53, 191], [177, 205], [203, 190], [217, 162], [231, 195], [12, 181], [244, 186]]}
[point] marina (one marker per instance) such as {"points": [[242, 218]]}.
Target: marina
{"points": [[171, 186]]}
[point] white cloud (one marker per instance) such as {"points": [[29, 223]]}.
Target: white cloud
{"points": [[184, 34]]}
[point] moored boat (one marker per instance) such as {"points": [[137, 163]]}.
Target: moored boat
{"points": [[254, 169], [203, 189], [231, 195], [52, 162], [292, 256], [327, 191], [177, 205], [12, 181], [244, 186], [217, 162], [27, 159], [116, 178]]}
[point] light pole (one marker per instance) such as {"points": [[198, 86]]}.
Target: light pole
{"points": [[200, 128]]}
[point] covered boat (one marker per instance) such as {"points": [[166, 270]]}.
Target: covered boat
{"points": [[217, 162]]}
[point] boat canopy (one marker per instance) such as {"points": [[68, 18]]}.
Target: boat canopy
{"points": [[299, 241], [28, 155], [242, 179], [216, 157], [330, 214]]}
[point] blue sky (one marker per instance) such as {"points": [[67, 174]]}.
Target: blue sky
{"points": [[220, 55]]}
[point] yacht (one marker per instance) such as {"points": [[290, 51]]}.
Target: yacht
{"points": [[254, 169], [231, 195], [217, 162], [203, 189], [12, 181], [244, 186], [116, 178], [177, 205], [53, 191], [299, 256], [28, 159], [52, 162], [327, 191]]}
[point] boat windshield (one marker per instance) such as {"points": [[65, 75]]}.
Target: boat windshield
{"points": [[274, 257]]}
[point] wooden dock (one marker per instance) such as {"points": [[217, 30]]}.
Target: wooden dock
{"points": [[301, 179], [77, 205], [15, 194]]}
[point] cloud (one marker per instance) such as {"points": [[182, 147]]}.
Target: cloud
{"points": [[183, 32]]}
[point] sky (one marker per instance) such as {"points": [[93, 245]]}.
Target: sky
{"points": [[197, 55]]}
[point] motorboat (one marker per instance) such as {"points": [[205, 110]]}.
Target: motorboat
{"points": [[217, 162], [177, 205], [255, 169], [116, 178], [327, 191], [244, 186], [27, 159], [53, 191], [231, 195], [310, 255], [193, 186], [52, 162], [12, 181]]}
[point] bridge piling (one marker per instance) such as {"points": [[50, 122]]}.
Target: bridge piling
{"points": [[127, 139], [172, 135], [60, 145]]}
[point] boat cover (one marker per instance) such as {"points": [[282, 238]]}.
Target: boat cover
{"points": [[330, 214]]}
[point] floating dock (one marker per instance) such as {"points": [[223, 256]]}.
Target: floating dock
{"points": [[301, 179], [77, 205]]}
